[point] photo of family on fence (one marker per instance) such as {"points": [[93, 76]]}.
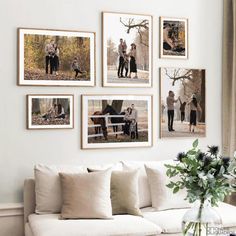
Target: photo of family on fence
{"points": [[108, 120], [182, 102], [56, 58], [50, 111], [127, 49]]}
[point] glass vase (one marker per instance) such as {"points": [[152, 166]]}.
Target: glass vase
{"points": [[201, 220]]}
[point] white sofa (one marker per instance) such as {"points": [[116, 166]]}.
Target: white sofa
{"points": [[152, 223]]}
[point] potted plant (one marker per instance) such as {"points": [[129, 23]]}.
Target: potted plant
{"points": [[208, 178]]}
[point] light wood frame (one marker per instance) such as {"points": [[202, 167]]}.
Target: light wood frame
{"points": [[186, 21], [125, 85], [160, 111], [70, 83], [29, 113], [85, 145]]}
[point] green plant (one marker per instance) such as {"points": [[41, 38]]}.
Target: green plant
{"points": [[205, 176]]}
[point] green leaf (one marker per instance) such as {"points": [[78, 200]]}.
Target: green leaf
{"points": [[176, 189], [195, 143]]}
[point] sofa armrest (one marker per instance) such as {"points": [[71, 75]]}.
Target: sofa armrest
{"points": [[29, 198]]}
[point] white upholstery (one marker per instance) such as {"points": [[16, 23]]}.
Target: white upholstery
{"points": [[50, 225], [170, 220], [144, 191]]}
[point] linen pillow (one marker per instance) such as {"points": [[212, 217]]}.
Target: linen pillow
{"points": [[48, 187], [143, 186], [86, 195], [163, 198], [124, 192]]}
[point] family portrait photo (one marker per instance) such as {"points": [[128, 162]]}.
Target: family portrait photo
{"points": [[183, 102], [127, 50], [51, 57], [173, 38], [50, 111], [116, 121]]}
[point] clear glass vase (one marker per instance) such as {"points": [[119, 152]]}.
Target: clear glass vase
{"points": [[201, 220]]}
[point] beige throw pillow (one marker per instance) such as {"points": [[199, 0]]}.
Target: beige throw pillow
{"points": [[86, 195], [48, 186], [163, 197], [124, 192]]}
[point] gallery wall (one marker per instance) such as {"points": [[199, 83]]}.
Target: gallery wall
{"points": [[20, 148]]}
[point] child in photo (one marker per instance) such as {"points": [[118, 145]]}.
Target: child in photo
{"points": [[75, 67], [133, 129]]}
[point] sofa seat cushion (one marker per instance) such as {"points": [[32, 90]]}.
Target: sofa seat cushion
{"points": [[170, 220], [51, 225]]}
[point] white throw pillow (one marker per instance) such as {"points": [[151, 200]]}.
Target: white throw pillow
{"points": [[48, 187], [86, 196], [163, 197], [143, 186]]}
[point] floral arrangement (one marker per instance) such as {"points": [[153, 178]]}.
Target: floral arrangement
{"points": [[205, 175]]}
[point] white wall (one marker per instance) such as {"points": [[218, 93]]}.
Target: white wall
{"points": [[20, 149]]}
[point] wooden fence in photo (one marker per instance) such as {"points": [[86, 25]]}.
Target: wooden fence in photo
{"points": [[109, 124]]}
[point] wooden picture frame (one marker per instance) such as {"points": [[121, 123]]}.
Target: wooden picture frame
{"points": [[107, 121], [128, 63], [174, 42], [186, 84], [49, 57], [50, 111]]}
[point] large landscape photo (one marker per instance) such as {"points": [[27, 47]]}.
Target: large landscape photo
{"points": [[49, 57], [116, 121]]}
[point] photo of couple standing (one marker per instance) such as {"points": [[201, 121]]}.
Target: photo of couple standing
{"points": [[182, 102], [127, 50], [127, 60]]}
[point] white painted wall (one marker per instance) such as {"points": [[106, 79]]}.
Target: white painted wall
{"points": [[20, 149]]}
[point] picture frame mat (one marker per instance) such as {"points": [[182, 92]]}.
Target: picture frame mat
{"points": [[105, 83], [161, 21], [52, 32], [84, 123], [29, 98]]}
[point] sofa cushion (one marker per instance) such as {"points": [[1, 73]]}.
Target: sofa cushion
{"points": [[163, 218], [48, 187], [124, 192], [86, 195], [143, 186], [50, 225], [163, 197]]}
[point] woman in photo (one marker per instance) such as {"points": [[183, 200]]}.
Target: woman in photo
{"points": [[127, 120], [133, 65], [61, 112], [194, 107], [55, 59]]}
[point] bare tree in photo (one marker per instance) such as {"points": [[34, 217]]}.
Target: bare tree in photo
{"points": [[140, 27]]}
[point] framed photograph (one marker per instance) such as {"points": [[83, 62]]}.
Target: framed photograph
{"points": [[56, 58], [173, 38], [50, 111], [127, 50], [115, 121], [183, 102]]}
